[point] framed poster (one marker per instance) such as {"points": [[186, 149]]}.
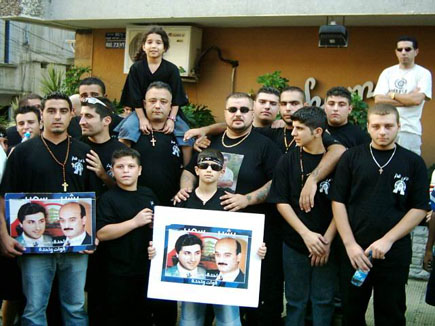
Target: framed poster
{"points": [[206, 256], [46, 223]]}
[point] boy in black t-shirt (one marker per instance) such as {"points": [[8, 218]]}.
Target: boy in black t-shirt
{"points": [[309, 273], [124, 216], [379, 195]]}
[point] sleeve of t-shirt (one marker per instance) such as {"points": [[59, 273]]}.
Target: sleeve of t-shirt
{"points": [[192, 163], [132, 93], [11, 181], [178, 95], [105, 212], [328, 140], [425, 84], [280, 188], [382, 87], [340, 188], [418, 194]]}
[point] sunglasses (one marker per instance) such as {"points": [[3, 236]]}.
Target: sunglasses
{"points": [[93, 100], [407, 49], [214, 167], [243, 109]]}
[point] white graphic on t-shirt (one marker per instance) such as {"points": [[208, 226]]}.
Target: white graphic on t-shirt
{"points": [[77, 165], [109, 169], [232, 164], [175, 149], [400, 85], [400, 185], [324, 186]]}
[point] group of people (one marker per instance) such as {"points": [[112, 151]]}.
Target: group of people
{"points": [[335, 198]]}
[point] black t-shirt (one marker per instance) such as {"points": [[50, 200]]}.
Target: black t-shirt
{"points": [[214, 203], [74, 129], [127, 255], [162, 165], [31, 168], [259, 156], [13, 136], [140, 77], [349, 135], [286, 188], [104, 151], [277, 136], [377, 202]]}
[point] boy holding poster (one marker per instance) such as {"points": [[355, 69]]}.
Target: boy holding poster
{"points": [[207, 195], [124, 216], [309, 271]]}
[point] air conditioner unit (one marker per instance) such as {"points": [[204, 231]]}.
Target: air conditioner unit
{"points": [[184, 46]]}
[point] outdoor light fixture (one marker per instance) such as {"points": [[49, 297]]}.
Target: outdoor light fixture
{"points": [[333, 36]]}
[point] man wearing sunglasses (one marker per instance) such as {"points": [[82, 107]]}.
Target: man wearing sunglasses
{"points": [[406, 86]]}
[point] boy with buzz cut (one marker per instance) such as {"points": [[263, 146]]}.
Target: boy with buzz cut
{"points": [[124, 217], [309, 271]]}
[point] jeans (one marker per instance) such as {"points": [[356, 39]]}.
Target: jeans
{"points": [[38, 272], [304, 282], [129, 129], [193, 314]]}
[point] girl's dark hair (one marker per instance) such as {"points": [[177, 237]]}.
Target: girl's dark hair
{"points": [[141, 55]]}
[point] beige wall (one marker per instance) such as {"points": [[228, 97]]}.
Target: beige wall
{"points": [[292, 50]]}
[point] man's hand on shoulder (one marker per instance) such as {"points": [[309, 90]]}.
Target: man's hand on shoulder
{"points": [[234, 202], [181, 195]]}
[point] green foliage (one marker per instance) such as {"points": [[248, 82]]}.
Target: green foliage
{"points": [[57, 81], [72, 79], [52, 81], [117, 106], [358, 116], [198, 115], [274, 80]]}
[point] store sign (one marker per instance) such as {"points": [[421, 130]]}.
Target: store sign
{"points": [[365, 90], [115, 40]]}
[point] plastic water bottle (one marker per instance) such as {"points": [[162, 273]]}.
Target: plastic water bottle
{"points": [[25, 137], [360, 275]]}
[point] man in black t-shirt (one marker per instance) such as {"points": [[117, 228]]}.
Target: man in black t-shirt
{"points": [[124, 215], [56, 155], [308, 272], [379, 195], [161, 157], [338, 105]]}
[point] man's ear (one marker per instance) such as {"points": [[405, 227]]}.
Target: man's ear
{"points": [[196, 170]]}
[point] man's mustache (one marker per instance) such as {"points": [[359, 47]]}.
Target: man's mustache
{"points": [[68, 229]]}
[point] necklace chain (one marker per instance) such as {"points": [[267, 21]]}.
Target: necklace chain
{"points": [[381, 168], [287, 146], [64, 184], [234, 145]]}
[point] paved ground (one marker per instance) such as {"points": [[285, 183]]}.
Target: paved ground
{"points": [[418, 313]]}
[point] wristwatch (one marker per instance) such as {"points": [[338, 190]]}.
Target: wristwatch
{"points": [[392, 95]]}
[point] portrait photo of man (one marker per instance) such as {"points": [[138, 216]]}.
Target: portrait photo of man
{"points": [[228, 255], [72, 220], [33, 219]]}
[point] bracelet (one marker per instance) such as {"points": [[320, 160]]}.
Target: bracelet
{"points": [[172, 118]]}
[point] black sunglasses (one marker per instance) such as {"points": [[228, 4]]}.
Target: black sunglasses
{"points": [[214, 166], [243, 109], [407, 49]]}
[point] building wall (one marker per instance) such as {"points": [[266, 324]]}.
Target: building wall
{"points": [[292, 50]]}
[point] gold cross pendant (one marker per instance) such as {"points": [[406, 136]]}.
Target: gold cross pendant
{"points": [[65, 186], [153, 141]]}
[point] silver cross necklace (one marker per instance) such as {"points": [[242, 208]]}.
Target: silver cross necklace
{"points": [[381, 168]]}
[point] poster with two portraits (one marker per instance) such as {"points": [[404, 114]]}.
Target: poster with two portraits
{"points": [[206, 256], [47, 223]]}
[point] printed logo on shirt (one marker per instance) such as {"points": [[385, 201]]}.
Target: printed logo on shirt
{"points": [[78, 165], [109, 169], [400, 86], [175, 149], [324, 186], [400, 185]]}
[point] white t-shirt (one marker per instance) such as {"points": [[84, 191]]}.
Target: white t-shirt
{"points": [[3, 159], [404, 81]]}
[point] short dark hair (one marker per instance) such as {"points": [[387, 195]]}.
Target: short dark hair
{"points": [[240, 95], [406, 38], [268, 90], [123, 152], [294, 89], [339, 91], [311, 116], [159, 85], [56, 96], [140, 54], [188, 239], [27, 109], [101, 110], [93, 81], [383, 109], [32, 96], [30, 209]]}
